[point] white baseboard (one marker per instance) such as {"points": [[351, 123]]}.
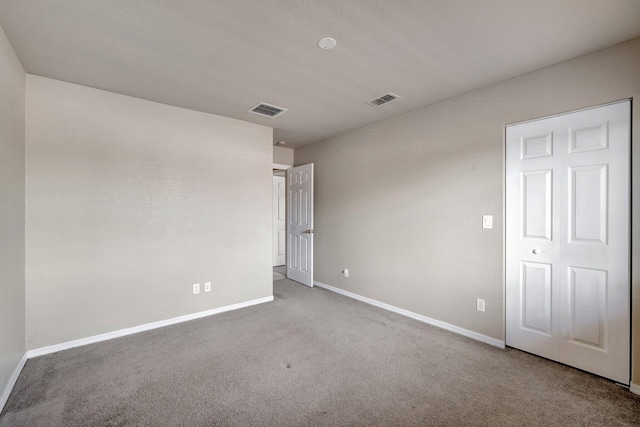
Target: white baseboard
{"points": [[146, 327], [634, 388], [467, 333], [12, 382]]}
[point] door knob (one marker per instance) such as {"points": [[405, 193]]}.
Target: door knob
{"points": [[309, 231], [535, 252]]}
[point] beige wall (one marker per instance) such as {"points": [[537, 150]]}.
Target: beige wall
{"points": [[12, 318], [400, 202], [282, 156], [129, 203]]}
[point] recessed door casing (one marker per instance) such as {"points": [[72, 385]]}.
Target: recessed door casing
{"points": [[568, 239]]}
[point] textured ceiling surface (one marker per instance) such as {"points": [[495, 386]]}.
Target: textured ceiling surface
{"points": [[225, 56]]}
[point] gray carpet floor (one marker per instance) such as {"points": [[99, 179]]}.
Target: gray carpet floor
{"points": [[310, 358]]}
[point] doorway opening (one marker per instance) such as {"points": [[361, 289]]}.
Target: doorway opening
{"points": [[293, 223], [279, 217]]}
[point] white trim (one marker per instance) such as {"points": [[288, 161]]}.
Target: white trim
{"points": [[281, 166], [634, 388], [12, 382], [569, 112], [141, 328], [467, 333], [504, 233]]}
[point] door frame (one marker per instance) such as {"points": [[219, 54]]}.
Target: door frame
{"points": [[282, 167], [275, 247], [633, 387]]}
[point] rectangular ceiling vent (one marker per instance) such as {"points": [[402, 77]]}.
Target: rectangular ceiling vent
{"points": [[383, 99], [267, 110]]}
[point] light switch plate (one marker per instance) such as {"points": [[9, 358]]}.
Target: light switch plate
{"points": [[487, 221]]}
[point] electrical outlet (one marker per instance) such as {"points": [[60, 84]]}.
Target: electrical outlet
{"points": [[207, 287], [346, 272], [480, 304], [196, 288]]}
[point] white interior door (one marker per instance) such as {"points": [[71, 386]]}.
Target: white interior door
{"points": [[567, 239], [279, 221], [300, 224]]}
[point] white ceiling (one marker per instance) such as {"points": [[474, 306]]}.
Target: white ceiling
{"points": [[224, 56]]}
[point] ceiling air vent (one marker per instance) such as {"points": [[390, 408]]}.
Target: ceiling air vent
{"points": [[383, 99], [267, 110]]}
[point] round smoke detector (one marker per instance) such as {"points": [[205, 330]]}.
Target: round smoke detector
{"points": [[327, 43]]}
